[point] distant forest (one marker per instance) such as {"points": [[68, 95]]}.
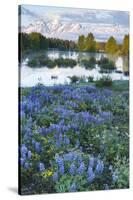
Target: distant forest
{"points": [[36, 41]]}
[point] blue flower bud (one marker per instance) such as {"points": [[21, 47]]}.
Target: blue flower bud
{"points": [[72, 169], [37, 147], [55, 176], [61, 169], [73, 188], [41, 167], [29, 154], [22, 161], [99, 167], [91, 175], [114, 177], [81, 168], [91, 161], [26, 165]]}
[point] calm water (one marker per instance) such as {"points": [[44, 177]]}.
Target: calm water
{"points": [[30, 76]]}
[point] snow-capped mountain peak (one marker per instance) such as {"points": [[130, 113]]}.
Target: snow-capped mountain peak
{"points": [[54, 26]]}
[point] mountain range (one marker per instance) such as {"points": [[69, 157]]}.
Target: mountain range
{"points": [[54, 27]]}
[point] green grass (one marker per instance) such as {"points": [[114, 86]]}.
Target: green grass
{"points": [[120, 85]]}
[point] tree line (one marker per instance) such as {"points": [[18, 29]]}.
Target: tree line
{"points": [[36, 41], [111, 46]]}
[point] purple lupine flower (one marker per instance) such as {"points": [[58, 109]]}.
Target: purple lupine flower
{"points": [[106, 186], [66, 140], [76, 156], [29, 154], [114, 177], [33, 141], [68, 156], [73, 188], [58, 144], [41, 167], [23, 155], [22, 161], [27, 131], [72, 169], [99, 121], [107, 92], [24, 149], [81, 168], [106, 115], [59, 161], [42, 131], [60, 137], [91, 161], [61, 169], [81, 148], [99, 167], [111, 168], [37, 147], [22, 114], [90, 175], [26, 165], [72, 104], [77, 143], [55, 176], [79, 159]]}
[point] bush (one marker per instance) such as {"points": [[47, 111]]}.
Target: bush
{"points": [[61, 62], [106, 65], [90, 79], [92, 60], [51, 64], [88, 64], [126, 73], [103, 60], [40, 56], [118, 71], [105, 81], [82, 79], [41, 61], [122, 172], [32, 63], [74, 79], [47, 62]]}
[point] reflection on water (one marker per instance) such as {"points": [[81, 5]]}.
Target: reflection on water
{"points": [[46, 76], [53, 54]]}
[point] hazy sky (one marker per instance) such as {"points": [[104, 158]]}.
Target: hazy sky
{"points": [[76, 15]]}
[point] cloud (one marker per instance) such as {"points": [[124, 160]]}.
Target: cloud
{"points": [[121, 18], [78, 15], [24, 11], [53, 17], [103, 15]]}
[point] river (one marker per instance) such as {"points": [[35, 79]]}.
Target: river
{"points": [[32, 76]]}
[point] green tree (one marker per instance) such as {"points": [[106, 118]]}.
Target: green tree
{"points": [[24, 41], [90, 43], [43, 42], [81, 42], [100, 46], [34, 40], [125, 45], [38, 41], [111, 46]]}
